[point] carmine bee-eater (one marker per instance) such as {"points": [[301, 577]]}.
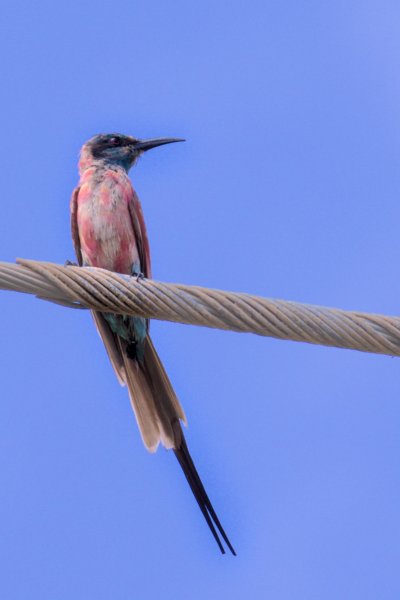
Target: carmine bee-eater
{"points": [[108, 231]]}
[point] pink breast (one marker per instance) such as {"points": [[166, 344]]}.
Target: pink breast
{"points": [[105, 228]]}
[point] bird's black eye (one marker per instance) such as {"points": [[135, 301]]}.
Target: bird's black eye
{"points": [[114, 141]]}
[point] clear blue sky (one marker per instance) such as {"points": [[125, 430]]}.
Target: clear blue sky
{"points": [[288, 186]]}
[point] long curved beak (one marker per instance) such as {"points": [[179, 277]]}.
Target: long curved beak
{"points": [[143, 145]]}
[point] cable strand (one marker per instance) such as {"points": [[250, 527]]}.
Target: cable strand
{"points": [[98, 289]]}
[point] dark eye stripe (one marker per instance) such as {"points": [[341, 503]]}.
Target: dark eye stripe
{"points": [[109, 142]]}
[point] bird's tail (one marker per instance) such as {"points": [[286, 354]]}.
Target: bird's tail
{"points": [[197, 487], [153, 399], [158, 413]]}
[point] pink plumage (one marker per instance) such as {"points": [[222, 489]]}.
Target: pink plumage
{"points": [[109, 231]]}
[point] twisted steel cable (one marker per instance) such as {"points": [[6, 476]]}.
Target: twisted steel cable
{"points": [[88, 287]]}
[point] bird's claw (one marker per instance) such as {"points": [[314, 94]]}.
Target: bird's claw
{"points": [[138, 276], [69, 263]]}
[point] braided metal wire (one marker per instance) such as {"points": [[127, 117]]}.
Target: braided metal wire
{"points": [[87, 287]]}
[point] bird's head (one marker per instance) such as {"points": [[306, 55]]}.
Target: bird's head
{"points": [[118, 149]]}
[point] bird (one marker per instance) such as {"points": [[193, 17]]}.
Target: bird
{"points": [[109, 231]]}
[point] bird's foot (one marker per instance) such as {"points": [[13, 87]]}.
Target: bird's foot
{"points": [[69, 263], [138, 276]]}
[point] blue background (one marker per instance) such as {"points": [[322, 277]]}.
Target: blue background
{"points": [[288, 187]]}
